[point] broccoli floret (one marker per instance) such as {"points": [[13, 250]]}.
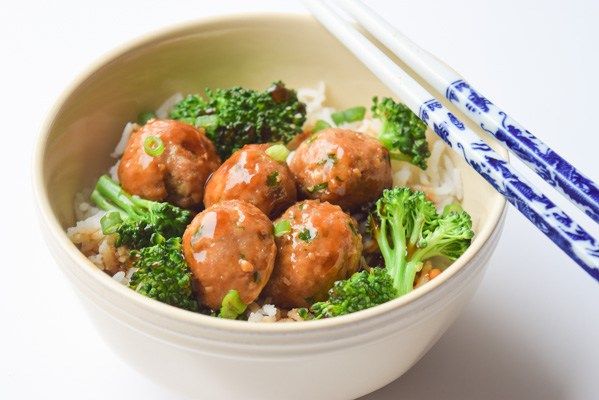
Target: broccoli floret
{"points": [[235, 117], [232, 306], [409, 231], [362, 290], [402, 133], [163, 274], [134, 219]]}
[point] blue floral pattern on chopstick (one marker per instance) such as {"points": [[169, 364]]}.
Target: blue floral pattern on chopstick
{"points": [[535, 206], [543, 160]]}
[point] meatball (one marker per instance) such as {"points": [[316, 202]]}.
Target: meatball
{"points": [[342, 167], [178, 173], [251, 175], [321, 247], [229, 246]]}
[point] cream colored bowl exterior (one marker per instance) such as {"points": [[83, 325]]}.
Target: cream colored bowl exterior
{"points": [[206, 357]]}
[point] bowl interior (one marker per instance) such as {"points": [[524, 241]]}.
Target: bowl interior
{"points": [[250, 51]]}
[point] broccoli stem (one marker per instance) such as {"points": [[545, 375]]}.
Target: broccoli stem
{"points": [[140, 204], [394, 255], [434, 245], [136, 221], [104, 204], [399, 249], [407, 282], [113, 192], [409, 231], [400, 157]]}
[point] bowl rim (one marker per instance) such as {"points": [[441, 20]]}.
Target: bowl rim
{"points": [[51, 222]]}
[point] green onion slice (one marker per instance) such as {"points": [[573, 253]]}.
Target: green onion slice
{"points": [[144, 117], [153, 146], [207, 122], [303, 313], [306, 235], [272, 179], [278, 152], [110, 222], [232, 306], [318, 187], [320, 125], [350, 115], [282, 227]]}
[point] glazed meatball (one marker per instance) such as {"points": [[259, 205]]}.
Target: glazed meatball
{"points": [[229, 246], [178, 173], [342, 167], [251, 175], [321, 247]]}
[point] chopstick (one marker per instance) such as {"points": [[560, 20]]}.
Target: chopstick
{"points": [[579, 245], [549, 165]]}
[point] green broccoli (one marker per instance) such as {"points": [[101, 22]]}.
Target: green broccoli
{"points": [[235, 117], [409, 231], [162, 273], [134, 219], [232, 306], [402, 133], [362, 290]]}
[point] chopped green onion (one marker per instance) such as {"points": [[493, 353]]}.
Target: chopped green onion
{"points": [[110, 222], [153, 146], [232, 306], [331, 157], [306, 235], [282, 227], [312, 138], [350, 115], [207, 122], [303, 313], [320, 125], [272, 179], [318, 187], [144, 117], [278, 152]]}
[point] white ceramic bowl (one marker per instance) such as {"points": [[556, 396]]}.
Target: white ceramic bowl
{"points": [[206, 357]]}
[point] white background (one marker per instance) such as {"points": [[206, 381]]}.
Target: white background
{"points": [[532, 330]]}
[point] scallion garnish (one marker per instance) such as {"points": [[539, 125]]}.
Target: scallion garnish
{"points": [[232, 305], [320, 125], [208, 122], [282, 227], [110, 222], [144, 117], [305, 235], [278, 152], [272, 179], [349, 115], [318, 187], [153, 146]]}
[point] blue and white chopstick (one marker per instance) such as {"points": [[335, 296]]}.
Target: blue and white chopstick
{"points": [[549, 165], [533, 204]]}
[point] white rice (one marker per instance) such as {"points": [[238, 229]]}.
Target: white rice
{"points": [[120, 147], [441, 182], [124, 277], [114, 171], [165, 108], [266, 313]]}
